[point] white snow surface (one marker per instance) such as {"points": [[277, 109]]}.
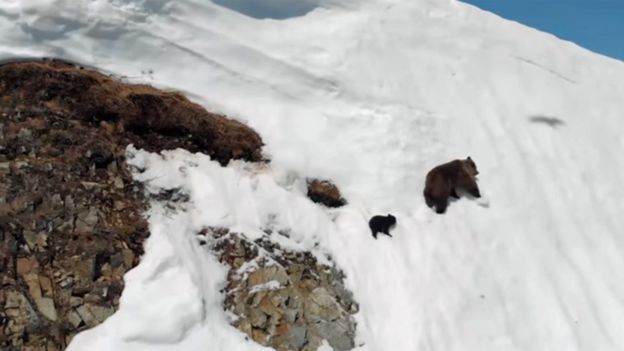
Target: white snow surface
{"points": [[370, 94]]}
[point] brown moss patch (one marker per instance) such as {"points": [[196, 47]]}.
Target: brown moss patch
{"points": [[151, 119]]}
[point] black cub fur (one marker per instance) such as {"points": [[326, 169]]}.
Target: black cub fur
{"points": [[382, 224]]}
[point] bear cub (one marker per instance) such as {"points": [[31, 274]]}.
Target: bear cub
{"points": [[443, 180], [382, 224]]}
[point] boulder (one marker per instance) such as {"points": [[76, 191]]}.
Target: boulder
{"points": [[325, 192], [284, 299]]}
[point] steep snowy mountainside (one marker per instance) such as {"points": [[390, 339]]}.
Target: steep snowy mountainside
{"points": [[372, 94]]}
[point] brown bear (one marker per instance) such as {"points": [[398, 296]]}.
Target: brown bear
{"points": [[443, 180]]}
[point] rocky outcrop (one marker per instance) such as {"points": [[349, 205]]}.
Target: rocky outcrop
{"points": [[70, 227], [70, 213], [325, 192], [71, 223], [281, 298]]}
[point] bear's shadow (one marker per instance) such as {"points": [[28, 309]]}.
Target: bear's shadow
{"points": [[463, 194]]}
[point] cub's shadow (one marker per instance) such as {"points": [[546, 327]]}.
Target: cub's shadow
{"points": [[552, 122]]}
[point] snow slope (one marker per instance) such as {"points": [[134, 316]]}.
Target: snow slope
{"points": [[372, 94]]}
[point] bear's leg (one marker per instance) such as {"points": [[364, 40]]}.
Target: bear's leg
{"points": [[441, 206], [470, 186], [387, 232], [454, 194], [375, 234], [475, 191], [429, 201]]}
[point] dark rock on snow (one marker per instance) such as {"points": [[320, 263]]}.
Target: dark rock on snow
{"points": [[326, 193]]}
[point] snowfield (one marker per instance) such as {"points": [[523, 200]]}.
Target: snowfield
{"points": [[371, 94]]}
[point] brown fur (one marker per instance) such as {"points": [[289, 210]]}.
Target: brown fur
{"points": [[443, 180]]}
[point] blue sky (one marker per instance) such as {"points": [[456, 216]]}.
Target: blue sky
{"points": [[597, 25]]}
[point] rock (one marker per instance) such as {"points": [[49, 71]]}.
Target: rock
{"points": [[32, 281], [321, 306], [13, 300], [22, 315], [324, 346], [46, 307], [257, 298], [74, 319], [244, 326], [267, 306], [128, 257], [25, 135], [112, 168], [290, 315], [106, 270], [100, 156], [313, 344], [296, 336], [67, 282], [46, 285], [67, 226], [267, 274], [120, 205], [92, 185], [257, 318], [36, 241], [93, 314], [56, 201], [82, 275], [21, 164], [87, 220], [51, 346], [281, 329], [25, 265], [119, 184], [92, 298], [86, 315], [116, 260], [259, 336], [75, 301], [324, 192], [69, 202], [100, 312], [338, 335]]}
